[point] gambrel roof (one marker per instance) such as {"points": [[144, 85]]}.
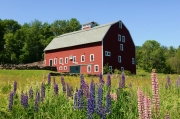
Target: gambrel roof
{"points": [[80, 37]]}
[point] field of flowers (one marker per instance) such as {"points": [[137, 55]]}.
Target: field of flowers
{"points": [[37, 94]]}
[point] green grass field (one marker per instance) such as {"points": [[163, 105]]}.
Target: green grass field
{"points": [[60, 107]]}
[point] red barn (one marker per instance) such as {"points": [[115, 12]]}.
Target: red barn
{"points": [[88, 50]]}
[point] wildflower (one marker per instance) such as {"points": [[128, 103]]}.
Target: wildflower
{"points": [[122, 82], [15, 86], [63, 84], [92, 93], [31, 93], [11, 100], [90, 108], [109, 80], [99, 99], [36, 102], [108, 102], [103, 113], [37, 96], [22, 98], [167, 116], [80, 99], [49, 79], [113, 96], [42, 91], [25, 101], [168, 82], [76, 100], [101, 80], [56, 89]]}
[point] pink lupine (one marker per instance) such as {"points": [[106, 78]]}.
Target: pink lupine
{"points": [[155, 94], [167, 116], [140, 103]]}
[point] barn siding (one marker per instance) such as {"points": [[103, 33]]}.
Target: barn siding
{"points": [[111, 43], [87, 49]]}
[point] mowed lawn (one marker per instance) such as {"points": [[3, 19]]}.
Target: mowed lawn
{"points": [[170, 98]]}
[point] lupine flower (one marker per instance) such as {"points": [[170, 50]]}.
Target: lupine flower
{"points": [[63, 84], [56, 89], [37, 95], [178, 82], [82, 82], [49, 79], [167, 116], [108, 103], [25, 101], [103, 113], [113, 96], [101, 80], [31, 93], [90, 108], [68, 90], [99, 99], [76, 100], [147, 107], [36, 103], [168, 82], [155, 94], [109, 80], [92, 93], [122, 82], [140, 103], [11, 100], [42, 91], [80, 99], [15, 86], [86, 90]]}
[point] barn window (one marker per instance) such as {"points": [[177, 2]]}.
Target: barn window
{"points": [[60, 68], [66, 60], [74, 59], [107, 53], [133, 62], [119, 59], [82, 58], [123, 39], [120, 25], [65, 67], [122, 68], [60, 60], [96, 68], [91, 57], [119, 37], [121, 47], [110, 67], [89, 68], [55, 60]]}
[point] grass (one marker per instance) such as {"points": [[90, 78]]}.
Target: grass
{"points": [[169, 98]]}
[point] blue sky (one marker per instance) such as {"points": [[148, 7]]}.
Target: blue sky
{"points": [[146, 19]]}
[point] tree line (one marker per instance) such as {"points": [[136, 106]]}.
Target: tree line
{"points": [[25, 43], [152, 55]]}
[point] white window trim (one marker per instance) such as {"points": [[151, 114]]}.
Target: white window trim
{"points": [[60, 67], [121, 47], [55, 60], [73, 59], [60, 59], [90, 57], [123, 39], [65, 60], [81, 58], [52, 62], [107, 53], [95, 68], [122, 68], [119, 57], [65, 67], [133, 61], [120, 25], [110, 67], [88, 68], [119, 37]]}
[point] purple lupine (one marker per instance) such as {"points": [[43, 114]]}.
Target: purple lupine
{"points": [[11, 100], [82, 82], [108, 103], [25, 101], [86, 90], [99, 99], [76, 100], [178, 82], [42, 92], [168, 82], [122, 82], [101, 80], [90, 108], [80, 99], [49, 79], [31, 93], [15, 86], [68, 90], [92, 93], [56, 89], [22, 96], [36, 101], [109, 80], [102, 113], [63, 84]]}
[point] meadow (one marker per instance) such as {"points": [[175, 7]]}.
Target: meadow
{"points": [[112, 99]]}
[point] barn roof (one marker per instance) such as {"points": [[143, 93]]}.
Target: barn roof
{"points": [[80, 37]]}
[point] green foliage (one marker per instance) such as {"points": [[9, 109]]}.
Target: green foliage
{"points": [[116, 71], [106, 69], [6, 88]]}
